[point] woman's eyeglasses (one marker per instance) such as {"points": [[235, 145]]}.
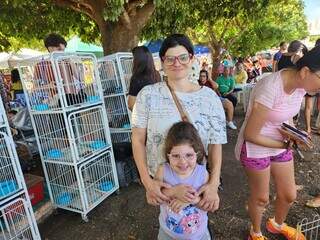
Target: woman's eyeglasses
{"points": [[187, 156], [182, 59]]}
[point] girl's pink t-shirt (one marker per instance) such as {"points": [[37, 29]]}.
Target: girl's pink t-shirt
{"points": [[283, 107]]}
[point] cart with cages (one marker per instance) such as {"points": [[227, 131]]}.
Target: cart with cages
{"points": [[310, 228], [115, 72], [17, 220], [64, 96]]}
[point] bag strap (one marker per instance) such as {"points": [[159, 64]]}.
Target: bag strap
{"points": [[183, 115]]}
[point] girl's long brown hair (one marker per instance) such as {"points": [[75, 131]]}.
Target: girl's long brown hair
{"points": [[184, 133]]}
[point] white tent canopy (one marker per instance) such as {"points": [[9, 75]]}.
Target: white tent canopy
{"points": [[9, 60]]}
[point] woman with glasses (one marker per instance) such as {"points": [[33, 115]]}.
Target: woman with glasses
{"points": [[264, 152], [155, 112]]}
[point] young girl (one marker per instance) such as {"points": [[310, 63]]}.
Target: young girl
{"points": [[184, 153], [264, 152]]}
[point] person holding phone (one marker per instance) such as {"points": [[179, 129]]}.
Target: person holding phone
{"points": [[263, 151]]}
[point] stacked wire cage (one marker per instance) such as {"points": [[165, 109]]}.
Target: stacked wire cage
{"points": [[17, 220], [65, 101], [310, 228], [115, 73]]}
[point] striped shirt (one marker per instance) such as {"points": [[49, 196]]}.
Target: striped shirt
{"points": [[269, 92]]}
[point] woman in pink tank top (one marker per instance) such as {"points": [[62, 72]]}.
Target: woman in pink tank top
{"points": [[261, 148]]}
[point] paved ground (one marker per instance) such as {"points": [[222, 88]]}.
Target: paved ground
{"points": [[127, 216]]}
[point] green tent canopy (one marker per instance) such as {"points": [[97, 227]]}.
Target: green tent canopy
{"points": [[76, 45]]}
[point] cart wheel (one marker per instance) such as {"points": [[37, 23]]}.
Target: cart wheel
{"points": [[118, 191], [84, 218]]}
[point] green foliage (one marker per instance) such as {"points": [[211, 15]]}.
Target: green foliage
{"points": [[26, 22], [241, 26]]}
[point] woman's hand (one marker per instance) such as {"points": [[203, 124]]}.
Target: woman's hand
{"points": [[182, 192], [153, 192], [210, 199]]}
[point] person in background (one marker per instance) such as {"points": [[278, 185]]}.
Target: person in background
{"points": [[241, 75], [277, 56], [54, 42], [226, 85], [143, 73], [256, 70], [296, 50], [204, 80], [264, 152], [16, 87]]}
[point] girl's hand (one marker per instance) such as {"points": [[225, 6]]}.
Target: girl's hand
{"points": [[176, 205], [184, 193]]}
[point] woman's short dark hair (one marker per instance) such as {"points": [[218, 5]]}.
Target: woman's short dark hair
{"points": [[311, 60], [143, 65], [296, 46], [54, 40], [317, 42], [184, 133], [204, 71], [15, 76], [176, 40]]}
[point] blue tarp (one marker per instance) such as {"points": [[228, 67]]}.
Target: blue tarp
{"points": [[154, 47]]}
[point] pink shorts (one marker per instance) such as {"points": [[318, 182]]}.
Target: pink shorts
{"points": [[263, 163]]}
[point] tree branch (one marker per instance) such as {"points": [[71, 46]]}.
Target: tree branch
{"points": [[224, 32], [82, 7]]}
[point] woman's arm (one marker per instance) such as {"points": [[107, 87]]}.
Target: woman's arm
{"points": [[153, 187], [256, 121], [131, 102], [210, 199]]}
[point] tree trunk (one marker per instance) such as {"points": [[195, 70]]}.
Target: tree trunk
{"points": [[118, 38], [123, 35], [216, 60]]}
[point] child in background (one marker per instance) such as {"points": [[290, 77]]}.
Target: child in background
{"points": [[180, 218]]}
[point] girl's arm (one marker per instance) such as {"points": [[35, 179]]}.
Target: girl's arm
{"points": [[256, 121]]}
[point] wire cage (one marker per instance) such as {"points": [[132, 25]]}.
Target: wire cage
{"points": [[126, 68], [120, 136], [122, 70], [10, 177], [72, 137], [16, 221], [82, 188], [310, 228], [118, 113], [60, 80], [109, 77]]}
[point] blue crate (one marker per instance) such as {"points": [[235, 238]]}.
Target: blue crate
{"points": [[98, 144], [7, 187], [54, 154], [106, 186], [64, 198]]}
